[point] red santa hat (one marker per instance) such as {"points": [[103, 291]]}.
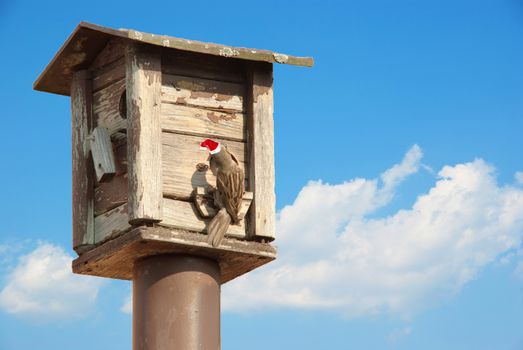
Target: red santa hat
{"points": [[213, 146]]}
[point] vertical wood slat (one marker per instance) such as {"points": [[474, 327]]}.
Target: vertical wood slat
{"points": [[144, 84], [102, 153], [83, 172], [261, 126]]}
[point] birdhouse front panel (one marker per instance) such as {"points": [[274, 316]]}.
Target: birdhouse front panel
{"points": [[199, 97], [142, 106], [202, 97]]}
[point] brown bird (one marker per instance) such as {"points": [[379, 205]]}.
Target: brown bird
{"points": [[229, 190]]}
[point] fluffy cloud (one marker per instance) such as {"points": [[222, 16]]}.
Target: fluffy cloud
{"points": [[519, 177], [333, 256], [43, 286], [127, 306], [398, 334]]}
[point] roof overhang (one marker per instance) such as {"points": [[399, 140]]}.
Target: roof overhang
{"points": [[88, 39]]}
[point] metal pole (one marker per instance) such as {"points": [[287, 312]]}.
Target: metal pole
{"points": [[176, 303]]}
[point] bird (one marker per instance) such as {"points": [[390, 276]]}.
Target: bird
{"points": [[229, 191]]}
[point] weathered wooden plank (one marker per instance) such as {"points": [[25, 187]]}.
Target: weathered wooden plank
{"points": [[83, 176], [202, 93], [181, 168], [263, 209], [106, 107], [183, 215], [88, 40], [204, 203], [191, 64], [102, 152], [144, 148], [112, 223], [109, 74], [109, 195], [216, 49], [113, 51], [115, 258], [203, 122]]}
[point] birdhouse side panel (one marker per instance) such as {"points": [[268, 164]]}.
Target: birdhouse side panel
{"points": [[110, 200], [113, 193], [107, 108], [202, 97], [109, 111], [113, 51], [109, 195], [108, 76]]}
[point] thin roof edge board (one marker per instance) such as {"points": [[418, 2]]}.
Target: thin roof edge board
{"points": [[87, 40]]}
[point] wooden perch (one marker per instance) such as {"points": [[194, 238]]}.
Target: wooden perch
{"points": [[204, 202], [103, 157]]}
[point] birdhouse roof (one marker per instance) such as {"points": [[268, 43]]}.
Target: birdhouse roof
{"points": [[88, 39]]}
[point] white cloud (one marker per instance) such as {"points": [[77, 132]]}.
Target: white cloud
{"points": [[396, 174], [43, 286], [332, 256], [399, 334], [519, 177], [127, 306], [518, 271]]}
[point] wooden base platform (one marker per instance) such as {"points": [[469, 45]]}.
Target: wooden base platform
{"points": [[115, 258]]}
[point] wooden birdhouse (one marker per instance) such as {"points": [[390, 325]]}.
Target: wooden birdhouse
{"points": [[141, 104]]}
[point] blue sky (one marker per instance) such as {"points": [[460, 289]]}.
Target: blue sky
{"points": [[398, 170]]}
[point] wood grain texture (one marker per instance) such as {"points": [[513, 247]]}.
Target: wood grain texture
{"points": [[111, 224], [144, 148], [212, 94], [107, 75], [263, 209], [181, 155], [88, 39], [102, 153], [113, 51], [203, 122], [106, 107], [216, 49], [109, 195], [115, 258], [204, 203], [184, 215], [83, 176], [191, 64]]}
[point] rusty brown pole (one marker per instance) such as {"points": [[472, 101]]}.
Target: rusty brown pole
{"points": [[176, 303]]}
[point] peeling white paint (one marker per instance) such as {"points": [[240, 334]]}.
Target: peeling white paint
{"points": [[228, 52], [137, 35], [280, 58], [166, 42]]}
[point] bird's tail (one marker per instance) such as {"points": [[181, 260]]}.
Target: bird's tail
{"points": [[217, 227]]}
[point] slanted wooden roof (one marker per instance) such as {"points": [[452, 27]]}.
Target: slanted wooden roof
{"points": [[88, 39]]}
